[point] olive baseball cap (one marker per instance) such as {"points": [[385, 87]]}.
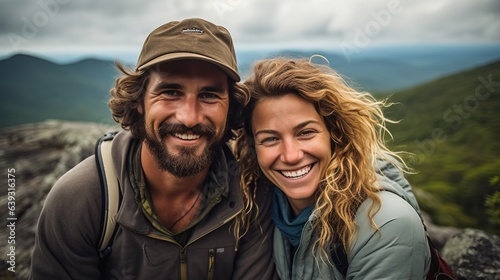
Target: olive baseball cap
{"points": [[192, 38]]}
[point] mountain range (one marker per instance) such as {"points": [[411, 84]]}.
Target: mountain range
{"points": [[450, 122], [34, 89], [390, 68]]}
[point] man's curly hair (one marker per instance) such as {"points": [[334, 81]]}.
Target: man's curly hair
{"points": [[128, 95]]}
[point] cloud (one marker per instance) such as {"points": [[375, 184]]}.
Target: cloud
{"points": [[42, 25], [447, 22]]}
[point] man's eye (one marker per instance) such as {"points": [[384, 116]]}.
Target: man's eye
{"points": [[208, 95], [171, 92]]}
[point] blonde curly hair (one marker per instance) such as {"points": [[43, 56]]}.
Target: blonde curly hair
{"points": [[357, 128]]}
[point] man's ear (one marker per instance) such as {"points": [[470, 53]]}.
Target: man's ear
{"points": [[140, 109]]}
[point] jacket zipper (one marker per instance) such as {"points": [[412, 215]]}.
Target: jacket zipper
{"points": [[299, 250], [183, 249], [212, 229], [183, 264], [211, 264]]}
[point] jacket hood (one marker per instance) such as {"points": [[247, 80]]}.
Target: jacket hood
{"points": [[391, 179]]}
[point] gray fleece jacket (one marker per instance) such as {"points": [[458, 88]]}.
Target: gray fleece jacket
{"points": [[69, 228]]}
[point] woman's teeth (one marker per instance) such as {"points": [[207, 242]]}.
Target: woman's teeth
{"points": [[297, 173]]}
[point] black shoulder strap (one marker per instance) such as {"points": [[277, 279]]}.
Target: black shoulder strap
{"points": [[339, 258], [110, 191]]}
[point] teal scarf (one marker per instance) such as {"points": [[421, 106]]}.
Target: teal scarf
{"points": [[284, 219]]}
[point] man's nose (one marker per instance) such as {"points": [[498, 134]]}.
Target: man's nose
{"points": [[189, 113]]}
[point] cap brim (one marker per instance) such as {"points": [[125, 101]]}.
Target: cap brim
{"points": [[184, 55]]}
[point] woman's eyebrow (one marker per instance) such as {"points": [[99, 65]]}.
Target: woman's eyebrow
{"points": [[297, 127], [266, 131], [303, 124]]}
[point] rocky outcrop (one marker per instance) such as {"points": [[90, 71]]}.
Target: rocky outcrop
{"points": [[473, 254], [36, 156]]}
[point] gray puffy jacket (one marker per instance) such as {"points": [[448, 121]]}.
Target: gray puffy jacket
{"points": [[398, 251]]}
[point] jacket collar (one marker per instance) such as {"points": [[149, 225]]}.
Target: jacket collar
{"points": [[224, 179]]}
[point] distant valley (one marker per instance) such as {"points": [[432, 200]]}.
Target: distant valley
{"points": [[35, 89], [447, 103]]}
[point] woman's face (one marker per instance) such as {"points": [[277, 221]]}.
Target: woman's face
{"points": [[293, 146]]}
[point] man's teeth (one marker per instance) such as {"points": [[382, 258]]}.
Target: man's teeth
{"points": [[187, 136], [298, 173]]}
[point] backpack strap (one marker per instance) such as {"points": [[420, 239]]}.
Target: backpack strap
{"points": [[339, 257], [110, 192]]}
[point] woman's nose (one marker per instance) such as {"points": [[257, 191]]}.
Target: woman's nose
{"points": [[291, 153]]}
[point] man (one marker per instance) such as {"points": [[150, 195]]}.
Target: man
{"points": [[178, 179]]}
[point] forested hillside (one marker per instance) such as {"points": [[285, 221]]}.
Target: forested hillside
{"points": [[35, 89], [452, 125]]}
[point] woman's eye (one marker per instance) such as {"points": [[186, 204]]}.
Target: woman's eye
{"points": [[268, 140], [307, 132]]}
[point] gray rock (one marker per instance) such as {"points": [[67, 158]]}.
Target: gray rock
{"points": [[473, 254], [42, 152], [39, 153]]}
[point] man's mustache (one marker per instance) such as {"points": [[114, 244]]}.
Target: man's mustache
{"points": [[203, 130]]}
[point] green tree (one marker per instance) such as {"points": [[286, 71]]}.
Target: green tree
{"points": [[492, 204]]}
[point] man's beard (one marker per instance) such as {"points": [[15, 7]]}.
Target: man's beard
{"points": [[186, 163]]}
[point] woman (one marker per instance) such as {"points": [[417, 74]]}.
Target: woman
{"points": [[317, 146]]}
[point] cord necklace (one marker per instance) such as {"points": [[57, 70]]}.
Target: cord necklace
{"points": [[192, 206]]}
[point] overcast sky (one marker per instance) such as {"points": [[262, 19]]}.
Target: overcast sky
{"points": [[120, 27]]}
